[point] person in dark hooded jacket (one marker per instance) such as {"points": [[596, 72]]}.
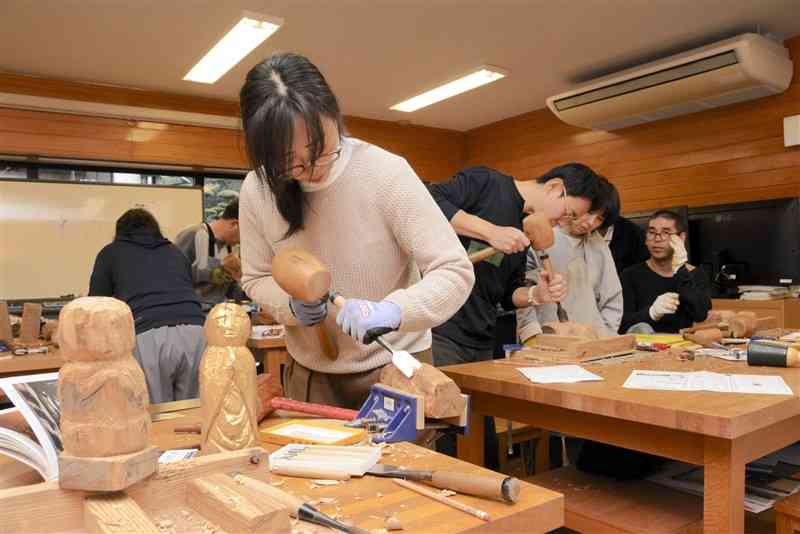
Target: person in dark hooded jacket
{"points": [[151, 275]]}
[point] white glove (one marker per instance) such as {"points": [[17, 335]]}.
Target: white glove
{"points": [[665, 304], [679, 255]]}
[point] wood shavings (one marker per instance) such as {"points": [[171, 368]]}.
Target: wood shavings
{"points": [[164, 524], [447, 493], [185, 513], [378, 531], [277, 483], [324, 482], [375, 517], [393, 523], [379, 494]]}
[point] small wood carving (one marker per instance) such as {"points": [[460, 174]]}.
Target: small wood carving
{"points": [[5, 324], [442, 396], [746, 323], [31, 323], [105, 422], [229, 404]]}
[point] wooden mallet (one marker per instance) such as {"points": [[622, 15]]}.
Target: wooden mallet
{"points": [[304, 277]]}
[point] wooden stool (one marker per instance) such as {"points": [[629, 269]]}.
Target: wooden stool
{"points": [[522, 434], [787, 515]]}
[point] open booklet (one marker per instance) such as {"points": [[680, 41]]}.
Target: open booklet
{"points": [[35, 398]]}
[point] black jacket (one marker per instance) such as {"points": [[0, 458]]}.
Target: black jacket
{"points": [[494, 197], [627, 244], [152, 276]]}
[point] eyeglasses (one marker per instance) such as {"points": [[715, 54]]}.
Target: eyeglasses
{"points": [[322, 161], [569, 213], [655, 236]]}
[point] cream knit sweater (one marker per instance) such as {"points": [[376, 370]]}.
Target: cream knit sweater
{"points": [[377, 229]]}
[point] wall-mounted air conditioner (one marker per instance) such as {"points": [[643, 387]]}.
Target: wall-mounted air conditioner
{"points": [[735, 70]]}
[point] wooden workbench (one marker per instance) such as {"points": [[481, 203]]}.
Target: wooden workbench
{"points": [[721, 431], [364, 501], [29, 363], [271, 352]]}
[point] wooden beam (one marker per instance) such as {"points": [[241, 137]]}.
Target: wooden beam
{"points": [[236, 508], [115, 513]]}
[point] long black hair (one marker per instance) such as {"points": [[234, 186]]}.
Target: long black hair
{"points": [[277, 90], [137, 221]]}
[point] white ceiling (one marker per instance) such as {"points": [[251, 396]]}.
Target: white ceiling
{"points": [[376, 53]]}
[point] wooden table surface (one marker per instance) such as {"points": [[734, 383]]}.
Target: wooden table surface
{"points": [[29, 363], [721, 431], [366, 501]]}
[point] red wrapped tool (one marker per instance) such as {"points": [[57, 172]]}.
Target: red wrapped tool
{"points": [[323, 410]]}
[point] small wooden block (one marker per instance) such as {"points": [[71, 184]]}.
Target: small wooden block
{"points": [[234, 507], [606, 345], [5, 324], [442, 396], [111, 473], [115, 513], [31, 322]]}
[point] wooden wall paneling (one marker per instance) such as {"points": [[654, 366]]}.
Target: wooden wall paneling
{"points": [[724, 155]]}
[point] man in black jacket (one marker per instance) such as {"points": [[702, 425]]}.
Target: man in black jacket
{"points": [[664, 293], [150, 274], [626, 242], [486, 208]]}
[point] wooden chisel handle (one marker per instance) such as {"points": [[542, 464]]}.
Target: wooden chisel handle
{"points": [[323, 410], [493, 487], [329, 349], [477, 257], [310, 472]]}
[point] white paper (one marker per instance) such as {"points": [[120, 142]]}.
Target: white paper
{"points": [[176, 455], [558, 374], [658, 380], [707, 381], [763, 384]]}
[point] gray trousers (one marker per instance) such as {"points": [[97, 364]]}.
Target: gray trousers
{"points": [[170, 357]]}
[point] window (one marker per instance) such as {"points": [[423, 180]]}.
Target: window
{"points": [[13, 171], [218, 193]]}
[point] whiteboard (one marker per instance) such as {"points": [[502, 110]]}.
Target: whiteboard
{"points": [[51, 232]]}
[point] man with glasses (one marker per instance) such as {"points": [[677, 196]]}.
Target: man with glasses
{"points": [[216, 269], [486, 208], [664, 293], [580, 252]]}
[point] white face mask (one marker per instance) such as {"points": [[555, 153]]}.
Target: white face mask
{"points": [[336, 170]]}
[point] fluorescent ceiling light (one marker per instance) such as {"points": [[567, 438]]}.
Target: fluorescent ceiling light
{"points": [[484, 75], [252, 30]]}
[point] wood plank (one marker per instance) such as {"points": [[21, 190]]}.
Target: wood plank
{"points": [[115, 513], [234, 507], [5, 323], [31, 322]]}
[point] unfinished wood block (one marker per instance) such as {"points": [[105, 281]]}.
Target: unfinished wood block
{"points": [[442, 396], [236, 508], [5, 324], [50, 330], [31, 321], [570, 328], [111, 473], [227, 375], [706, 337], [746, 323], [115, 513], [602, 346]]}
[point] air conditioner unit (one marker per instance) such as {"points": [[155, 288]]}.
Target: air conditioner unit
{"points": [[735, 70]]}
